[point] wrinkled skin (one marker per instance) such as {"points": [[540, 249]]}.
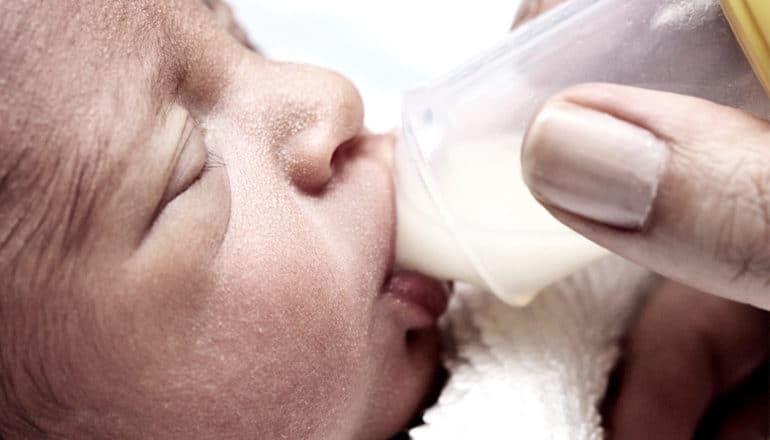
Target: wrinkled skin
{"points": [[194, 238]]}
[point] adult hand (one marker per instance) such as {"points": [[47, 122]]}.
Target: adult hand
{"points": [[681, 186], [677, 184], [693, 366]]}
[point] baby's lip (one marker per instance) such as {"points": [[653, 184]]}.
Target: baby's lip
{"points": [[426, 298]]}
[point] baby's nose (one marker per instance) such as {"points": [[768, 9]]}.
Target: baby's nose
{"points": [[334, 116]]}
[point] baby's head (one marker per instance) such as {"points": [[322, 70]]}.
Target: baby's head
{"points": [[195, 242]]}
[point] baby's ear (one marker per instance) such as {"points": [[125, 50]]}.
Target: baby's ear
{"points": [[223, 14]]}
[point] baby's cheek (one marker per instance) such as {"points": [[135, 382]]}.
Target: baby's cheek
{"points": [[295, 367], [285, 330]]}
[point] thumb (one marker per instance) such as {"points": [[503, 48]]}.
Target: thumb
{"points": [[676, 184]]}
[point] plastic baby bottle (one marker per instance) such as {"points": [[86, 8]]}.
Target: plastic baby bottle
{"points": [[464, 212]]}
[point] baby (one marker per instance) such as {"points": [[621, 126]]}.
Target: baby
{"points": [[195, 241]]}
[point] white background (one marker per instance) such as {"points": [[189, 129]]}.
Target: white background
{"points": [[385, 47]]}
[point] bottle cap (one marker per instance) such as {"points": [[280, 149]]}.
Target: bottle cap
{"points": [[750, 21]]}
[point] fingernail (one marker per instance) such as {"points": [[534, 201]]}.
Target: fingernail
{"points": [[594, 165]]}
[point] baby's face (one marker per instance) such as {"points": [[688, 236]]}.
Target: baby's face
{"points": [[196, 241]]}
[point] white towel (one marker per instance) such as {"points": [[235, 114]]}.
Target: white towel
{"points": [[538, 372]]}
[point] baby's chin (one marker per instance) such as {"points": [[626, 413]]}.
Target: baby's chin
{"points": [[436, 383], [413, 373], [410, 385]]}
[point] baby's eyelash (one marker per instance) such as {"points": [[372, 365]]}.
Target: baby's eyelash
{"points": [[213, 160]]}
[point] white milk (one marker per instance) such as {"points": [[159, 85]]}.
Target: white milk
{"points": [[494, 233]]}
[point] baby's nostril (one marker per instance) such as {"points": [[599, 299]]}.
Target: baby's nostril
{"points": [[343, 154], [411, 337], [316, 153]]}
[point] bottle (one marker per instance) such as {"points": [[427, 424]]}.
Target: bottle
{"points": [[464, 212]]}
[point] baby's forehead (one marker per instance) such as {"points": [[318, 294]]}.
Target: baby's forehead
{"points": [[69, 40], [67, 54]]}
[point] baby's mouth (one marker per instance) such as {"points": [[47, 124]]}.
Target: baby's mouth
{"points": [[425, 298]]}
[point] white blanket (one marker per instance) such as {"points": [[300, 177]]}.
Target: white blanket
{"points": [[538, 372]]}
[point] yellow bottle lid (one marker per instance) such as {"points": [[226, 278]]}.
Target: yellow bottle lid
{"points": [[750, 21]]}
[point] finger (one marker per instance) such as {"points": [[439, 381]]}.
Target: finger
{"points": [[677, 184], [677, 361], [532, 8], [743, 414]]}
